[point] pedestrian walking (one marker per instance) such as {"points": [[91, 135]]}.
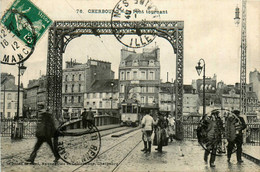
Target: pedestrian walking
{"points": [[214, 131], [90, 117], [160, 138], [84, 118], [147, 128], [171, 127], [45, 131], [236, 137]]}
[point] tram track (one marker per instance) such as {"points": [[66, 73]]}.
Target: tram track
{"points": [[127, 155], [28, 151], [111, 148]]}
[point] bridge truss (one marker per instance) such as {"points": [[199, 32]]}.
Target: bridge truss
{"points": [[62, 32]]}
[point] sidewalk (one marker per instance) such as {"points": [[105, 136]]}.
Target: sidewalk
{"points": [[181, 156], [252, 153]]}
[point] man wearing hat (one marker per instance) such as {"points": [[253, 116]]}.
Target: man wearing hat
{"points": [[84, 118], [240, 125], [45, 131]]}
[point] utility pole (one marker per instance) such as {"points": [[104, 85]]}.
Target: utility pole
{"points": [[243, 102]]}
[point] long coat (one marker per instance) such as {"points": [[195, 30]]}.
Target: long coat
{"points": [[160, 133], [46, 126]]}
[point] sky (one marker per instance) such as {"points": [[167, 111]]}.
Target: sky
{"points": [[209, 33]]}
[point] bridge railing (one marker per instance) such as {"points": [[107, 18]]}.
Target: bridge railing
{"points": [[252, 136]]}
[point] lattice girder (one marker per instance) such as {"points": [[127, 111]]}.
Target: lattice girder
{"points": [[62, 32]]}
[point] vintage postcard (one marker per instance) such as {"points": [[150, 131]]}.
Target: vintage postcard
{"points": [[130, 85]]}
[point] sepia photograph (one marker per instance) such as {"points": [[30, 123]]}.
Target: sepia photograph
{"points": [[130, 85]]}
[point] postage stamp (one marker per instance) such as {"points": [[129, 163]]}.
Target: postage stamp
{"points": [[21, 27]]}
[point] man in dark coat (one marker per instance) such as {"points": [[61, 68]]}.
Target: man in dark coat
{"points": [[84, 118], [241, 125], [161, 126], [214, 131], [44, 132], [90, 116]]}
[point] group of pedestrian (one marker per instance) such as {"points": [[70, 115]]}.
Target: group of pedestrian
{"points": [[214, 129], [159, 125]]}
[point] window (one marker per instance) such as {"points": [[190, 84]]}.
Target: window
{"points": [[66, 78], [151, 75], [2, 105], [72, 99], [79, 87], [121, 88], [79, 77], [66, 100], [142, 100], [66, 88], [87, 103], [9, 96], [143, 89], [128, 75], [79, 99], [100, 95], [100, 104], [143, 75], [8, 114], [73, 77], [72, 88], [94, 103], [88, 95], [135, 75], [122, 76], [9, 106]]}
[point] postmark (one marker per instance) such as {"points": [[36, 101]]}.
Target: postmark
{"points": [[133, 11], [21, 27], [79, 146]]}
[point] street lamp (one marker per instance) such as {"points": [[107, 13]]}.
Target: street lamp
{"points": [[112, 86], [18, 129], [237, 19], [199, 69]]}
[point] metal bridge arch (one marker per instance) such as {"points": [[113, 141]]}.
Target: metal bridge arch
{"points": [[62, 32]]}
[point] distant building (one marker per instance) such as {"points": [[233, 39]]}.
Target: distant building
{"points": [[9, 95], [139, 77], [35, 94], [167, 98], [254, 78], [212, 98], [103, 97], [78, 78], [230, 99], [190, 100], [252, 100]]}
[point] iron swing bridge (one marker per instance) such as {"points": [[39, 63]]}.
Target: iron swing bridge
{"points": [[62, 32]]}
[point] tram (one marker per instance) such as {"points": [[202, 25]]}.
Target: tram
{"points": [[130, 114]]}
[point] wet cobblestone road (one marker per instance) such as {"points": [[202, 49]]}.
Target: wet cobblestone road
{"points": [[115, 150]]}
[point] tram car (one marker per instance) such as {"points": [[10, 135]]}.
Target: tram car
{"points": [[130, 115]]}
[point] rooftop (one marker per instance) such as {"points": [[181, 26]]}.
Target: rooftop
{"points": [[104, 86]]}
